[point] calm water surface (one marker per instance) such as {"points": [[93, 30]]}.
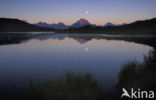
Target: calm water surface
{"points": [[49, 57]]}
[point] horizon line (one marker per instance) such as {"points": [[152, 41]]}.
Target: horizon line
{"points": [[77, 20]]}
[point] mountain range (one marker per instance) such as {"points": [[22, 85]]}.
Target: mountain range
{"points": [[80, 23], [147, 26], [59, 25], [80, 26]]}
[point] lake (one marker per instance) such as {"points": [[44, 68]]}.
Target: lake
{"points": [[48, 57]]}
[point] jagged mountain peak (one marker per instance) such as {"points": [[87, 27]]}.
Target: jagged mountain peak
{"points": [[61, 23], [83, 20], [109, 24], [80, 23]]}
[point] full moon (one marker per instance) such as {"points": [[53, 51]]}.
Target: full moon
{"points": [[87, 12]]}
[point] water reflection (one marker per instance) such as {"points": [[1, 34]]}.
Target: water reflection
{"points": [[10, 38], [43, 57]]}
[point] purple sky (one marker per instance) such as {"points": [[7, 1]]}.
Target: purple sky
{"points": [[69, 11]]}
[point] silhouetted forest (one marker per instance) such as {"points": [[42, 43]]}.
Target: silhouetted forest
{"points": [[138, 27], [16, 25]]}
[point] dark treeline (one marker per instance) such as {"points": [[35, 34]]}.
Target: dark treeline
{"points": [[138, 27], [16, 25]]}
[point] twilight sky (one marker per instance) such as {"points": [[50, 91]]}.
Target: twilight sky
{"points": [[69, 11]]}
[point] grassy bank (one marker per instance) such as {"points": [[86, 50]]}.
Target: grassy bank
{"points": [[69, 87], [84, 87], [138, 75]]}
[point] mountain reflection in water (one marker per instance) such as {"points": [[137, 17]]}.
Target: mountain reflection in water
{"points": [[40, 57]]}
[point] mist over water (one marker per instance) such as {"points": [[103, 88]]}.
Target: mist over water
{"points": [[50, 56]]}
